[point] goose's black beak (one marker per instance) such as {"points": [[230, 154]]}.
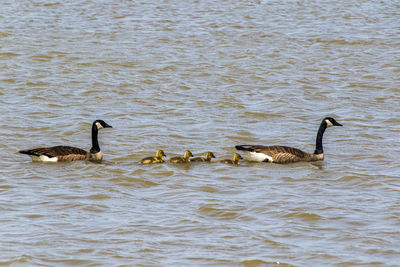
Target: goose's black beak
{"points": [[337, 124]]}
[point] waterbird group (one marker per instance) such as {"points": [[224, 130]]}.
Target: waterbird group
{"points": [[257, 153]]}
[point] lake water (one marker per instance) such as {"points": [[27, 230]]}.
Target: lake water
{"points": [[204, 76]]}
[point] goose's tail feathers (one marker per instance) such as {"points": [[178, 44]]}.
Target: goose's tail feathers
{"points": [[244, 148]]}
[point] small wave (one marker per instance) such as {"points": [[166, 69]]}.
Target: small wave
{"points": [[219, 213], [304, 216], [258, 263]]}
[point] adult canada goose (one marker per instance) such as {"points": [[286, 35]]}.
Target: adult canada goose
{"points": [[157, 159], [209, 156], [235, 160], [68, 153], [284, 154], [184, 159]]}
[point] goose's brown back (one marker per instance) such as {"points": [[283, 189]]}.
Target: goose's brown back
{"points": [[285, 154], [63, 153]]}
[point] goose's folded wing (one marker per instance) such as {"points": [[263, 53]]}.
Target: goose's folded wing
{"points": [[282, 154], [55, 151]]}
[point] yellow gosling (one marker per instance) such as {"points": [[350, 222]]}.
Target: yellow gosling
{"points": [[184, 159], [152, 160], [209, 156], [235, 160]]}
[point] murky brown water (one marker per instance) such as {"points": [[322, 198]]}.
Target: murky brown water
{"points": [[204, 76]]}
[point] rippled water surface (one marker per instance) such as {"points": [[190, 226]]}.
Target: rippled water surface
{"points": [[204, 76]]}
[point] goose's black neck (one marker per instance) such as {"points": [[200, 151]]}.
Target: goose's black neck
{"points": [[318, 146], [95, 143]]}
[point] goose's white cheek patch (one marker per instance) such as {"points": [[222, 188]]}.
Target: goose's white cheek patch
{"points": [[328, 123]]}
